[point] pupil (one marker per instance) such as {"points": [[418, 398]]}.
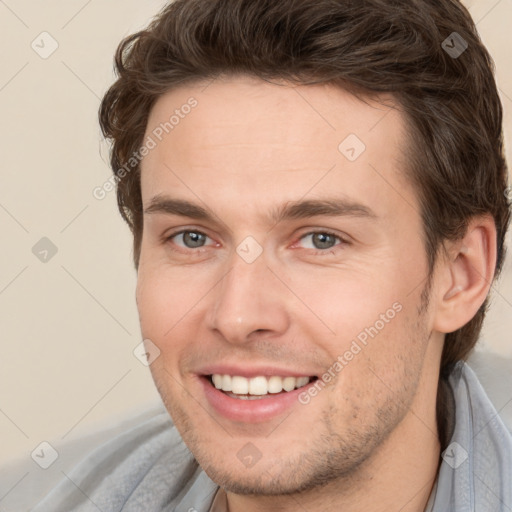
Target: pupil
{"points": [[193, 239], [323, 240]]}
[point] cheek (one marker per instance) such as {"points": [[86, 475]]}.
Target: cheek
{"points": [[165, 295], [343, 304], [172, 303], [379, 375], [375, 337], [153, 303]]}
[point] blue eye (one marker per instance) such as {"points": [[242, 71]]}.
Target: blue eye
{"points": [[189, 239], [321, 240], [316, 240]]}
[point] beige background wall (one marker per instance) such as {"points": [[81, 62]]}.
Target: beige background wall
{"points": [[69, 325]]}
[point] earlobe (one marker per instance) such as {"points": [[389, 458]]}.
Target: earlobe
{"points": [[467, 277]]}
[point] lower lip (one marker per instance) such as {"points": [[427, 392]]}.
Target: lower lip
{"points": [[250, 411]]}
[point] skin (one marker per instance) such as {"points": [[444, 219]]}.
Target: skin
{"points": [[368, 440]]}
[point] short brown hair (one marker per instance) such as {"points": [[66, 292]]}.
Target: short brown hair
{"points": [[450, 102]]}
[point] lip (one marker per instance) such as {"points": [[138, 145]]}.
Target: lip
{"points": [[253, 371], [250, 411]]}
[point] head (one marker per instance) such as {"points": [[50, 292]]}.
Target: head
{"points": [[265, 94]]}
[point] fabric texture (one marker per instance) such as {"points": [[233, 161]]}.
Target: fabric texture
{"points": [[150, 469]]}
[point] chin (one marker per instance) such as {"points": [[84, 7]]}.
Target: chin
{"points": [[276, 474]]}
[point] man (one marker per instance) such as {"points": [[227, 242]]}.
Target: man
{"points": [[317, 194]]}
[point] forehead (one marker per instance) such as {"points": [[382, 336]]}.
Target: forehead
{"points": [[275, 140], [283, 112]]}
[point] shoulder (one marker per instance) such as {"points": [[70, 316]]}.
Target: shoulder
{"points": [[476, 466], [494, 373], [144, 468]]}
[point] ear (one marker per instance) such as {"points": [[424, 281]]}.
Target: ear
{"points": [[465, 275]]}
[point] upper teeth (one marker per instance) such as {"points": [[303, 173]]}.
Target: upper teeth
{"points": [[257, 385]]}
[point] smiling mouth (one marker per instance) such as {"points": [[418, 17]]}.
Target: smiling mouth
{"points": [[242, 388]]}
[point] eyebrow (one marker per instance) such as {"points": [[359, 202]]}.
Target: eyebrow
{"points": [[292, 210]]}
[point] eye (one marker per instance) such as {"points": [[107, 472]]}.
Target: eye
{"points": [[189, 239], [320, 240]]}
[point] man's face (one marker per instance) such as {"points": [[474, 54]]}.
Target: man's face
{"points": [[269, 251]]}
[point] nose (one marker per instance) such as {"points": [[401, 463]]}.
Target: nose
{"points": [[249, 302]]}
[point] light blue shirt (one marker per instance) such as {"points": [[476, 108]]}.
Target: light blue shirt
{"points": [[150, 469]]}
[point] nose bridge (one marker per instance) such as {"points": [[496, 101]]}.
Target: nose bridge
{"points": [[248, 299]]}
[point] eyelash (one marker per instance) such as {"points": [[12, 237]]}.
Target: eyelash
{"points": [[342, 241], [169, 238], [323, 252]]}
